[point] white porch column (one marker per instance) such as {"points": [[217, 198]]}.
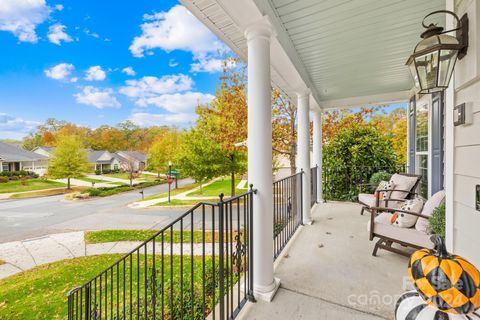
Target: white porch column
{"points": [[317, 150], [260, 157], [303, 149]]}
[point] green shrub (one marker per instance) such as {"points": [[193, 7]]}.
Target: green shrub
{"points": [[98, 172], [92, 192], [377, 177], [437, 221], [352, 156]]}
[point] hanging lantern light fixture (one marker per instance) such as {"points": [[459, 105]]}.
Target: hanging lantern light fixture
{"points": [[433, 60]]}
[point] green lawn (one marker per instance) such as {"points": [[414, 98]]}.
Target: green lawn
{"points": [[30, 185], [143, 235], [126, 176], [40, 293], [220, 186], [177, 202]]}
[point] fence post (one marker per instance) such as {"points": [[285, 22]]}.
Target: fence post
{"points": [[87, 301], [301, 197], [250, 296], [221, 256]]}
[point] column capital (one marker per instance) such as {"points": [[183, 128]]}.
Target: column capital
{"points": [[303, 93], [259, 29]]}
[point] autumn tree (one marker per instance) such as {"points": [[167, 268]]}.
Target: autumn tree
{"points": [[69, 160], [166, 148], [200, 157], [284, 132]]}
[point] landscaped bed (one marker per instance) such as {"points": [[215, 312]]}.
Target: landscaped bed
{"points": [[29, 185], [109, 191], [46, 193], [40, 293]]}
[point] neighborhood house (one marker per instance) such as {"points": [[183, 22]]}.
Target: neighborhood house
{"points": [[14, 158], [105, 161]]}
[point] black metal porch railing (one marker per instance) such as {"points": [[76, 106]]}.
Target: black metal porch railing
{"points": [[313, 186], [287, 210], [198, 266], [345, 183]]}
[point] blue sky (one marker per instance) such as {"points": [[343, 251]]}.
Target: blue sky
{"points": [[97, 62]]}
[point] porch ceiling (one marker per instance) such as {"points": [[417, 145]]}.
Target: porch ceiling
{"points": [[348, 52]]}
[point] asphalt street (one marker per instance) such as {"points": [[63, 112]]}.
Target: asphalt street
{"points": [[29, 218]]}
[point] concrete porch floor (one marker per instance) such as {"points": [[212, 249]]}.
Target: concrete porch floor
{"points": [[328, 272]]}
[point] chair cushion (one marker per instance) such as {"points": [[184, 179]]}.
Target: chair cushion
{"points": [[434, 201], [383, 227], [407, 235], [369, 200], [405, 220], [402, 183]]}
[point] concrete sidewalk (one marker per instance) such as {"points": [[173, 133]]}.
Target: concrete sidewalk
{"points": [[24, 255]]}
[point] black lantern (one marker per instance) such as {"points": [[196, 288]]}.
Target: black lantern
{"points": [[433, 59]]}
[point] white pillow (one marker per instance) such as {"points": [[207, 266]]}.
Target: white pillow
{"points": [[405, 220], [384, 185], [432, 203]]}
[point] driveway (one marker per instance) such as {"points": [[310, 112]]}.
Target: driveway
{"points": [[28, 218]]}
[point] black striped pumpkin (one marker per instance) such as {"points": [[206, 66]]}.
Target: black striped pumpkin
{"points": [[448, 282], [410, 306]]}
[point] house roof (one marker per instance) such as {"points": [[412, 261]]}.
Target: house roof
{"points": [[139, 156], [9, 152], [94, 156]]}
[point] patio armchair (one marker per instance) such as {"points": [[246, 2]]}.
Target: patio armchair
{"points": [[416, 237], [405, 185]]}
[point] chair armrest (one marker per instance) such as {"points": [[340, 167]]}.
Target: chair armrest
{"points": [[381, 209]]}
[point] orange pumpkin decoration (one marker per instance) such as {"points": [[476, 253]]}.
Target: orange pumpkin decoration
{"points": [[449, 282]]}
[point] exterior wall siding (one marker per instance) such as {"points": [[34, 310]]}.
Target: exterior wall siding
{"points": [[466, 167]]}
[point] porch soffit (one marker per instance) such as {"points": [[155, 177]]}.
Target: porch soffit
{"points": [[348, 52]]}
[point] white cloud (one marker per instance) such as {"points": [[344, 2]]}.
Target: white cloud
{"points": [[15, 128], [95, 73], [59, 7], [99, 98], [179, 102], [91, 34], [152, 119], [176, 29], [149, 87], [129, 71], [172, 63], [21, 17], [211, 65], [60, 71], [57, 34]]}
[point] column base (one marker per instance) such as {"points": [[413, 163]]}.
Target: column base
{"points": [[308, 223], [268, 293]]}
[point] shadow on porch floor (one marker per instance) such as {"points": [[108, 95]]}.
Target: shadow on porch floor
{"points": [[328, 272]]}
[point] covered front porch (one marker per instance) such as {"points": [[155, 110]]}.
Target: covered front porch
{"points": [[328, 272]]}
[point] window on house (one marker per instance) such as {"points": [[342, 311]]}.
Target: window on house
{"points": [[421, 148], [115, 166], [5, 166]]}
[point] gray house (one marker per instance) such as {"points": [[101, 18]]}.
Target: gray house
{"points": [[14, 158], [103, 160]]}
